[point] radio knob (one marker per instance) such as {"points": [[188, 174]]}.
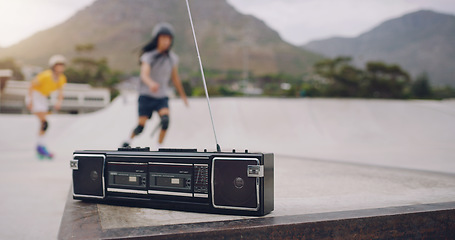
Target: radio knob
{"points": [[239, 183], [94, 175]]}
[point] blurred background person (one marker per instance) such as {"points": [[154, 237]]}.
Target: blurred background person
{"points": [[37, 101], [159, 65]]}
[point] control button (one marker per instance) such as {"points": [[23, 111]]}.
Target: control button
{"points": [[137, 149], [246, 150], [233, 150]]}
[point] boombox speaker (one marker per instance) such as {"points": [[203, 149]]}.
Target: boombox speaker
{"points": [[232, 187], [89, 176]]}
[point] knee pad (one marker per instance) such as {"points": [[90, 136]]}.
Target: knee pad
{"points": [[44, 125], [165, 122], [138, 129]]}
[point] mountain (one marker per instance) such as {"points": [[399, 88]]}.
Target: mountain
{"points": [[422, 41], [119, 28]]}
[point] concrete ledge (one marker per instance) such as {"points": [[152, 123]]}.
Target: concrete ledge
{"points": [[81, 220]]}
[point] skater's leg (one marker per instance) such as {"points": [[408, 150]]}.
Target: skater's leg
{"points": [[41, 145], [140, 126], [138, 130], [164, 115], [43, 127]]}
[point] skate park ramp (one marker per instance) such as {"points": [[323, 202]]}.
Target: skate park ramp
{"points": [[331, 156]]}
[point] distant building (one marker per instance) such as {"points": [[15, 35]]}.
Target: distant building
{"points": [[251, 90], [78, 98]]}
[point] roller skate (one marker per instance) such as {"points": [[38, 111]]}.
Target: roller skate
{"points": [[43, 153]]}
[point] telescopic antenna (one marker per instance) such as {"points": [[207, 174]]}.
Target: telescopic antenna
{"points": [[218, 148]]}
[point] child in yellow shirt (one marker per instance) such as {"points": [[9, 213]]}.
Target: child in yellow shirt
{"points": [[42, 86]]}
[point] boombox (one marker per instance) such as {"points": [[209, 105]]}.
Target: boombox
{"points": [[177, 179]]}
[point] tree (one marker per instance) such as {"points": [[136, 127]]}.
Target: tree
{"points": [[443, 92], [10, 63], [386, 81], [379, 80], [420, 88], [330, 67], [95, 72], [344, 79], [88, 47]]}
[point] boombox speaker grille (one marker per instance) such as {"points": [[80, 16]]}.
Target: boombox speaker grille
{"points": [[88, 179], [232, 188]]}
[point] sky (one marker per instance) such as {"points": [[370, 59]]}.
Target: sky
{"points": [[297, 21]]}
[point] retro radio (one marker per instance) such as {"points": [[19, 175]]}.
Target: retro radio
{"points": [[224, 182], [218, 182]]}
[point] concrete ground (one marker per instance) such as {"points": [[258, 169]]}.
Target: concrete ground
{"points": [[331, 154]]}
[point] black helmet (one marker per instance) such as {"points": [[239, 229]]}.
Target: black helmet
{"points": [[160, 29]]}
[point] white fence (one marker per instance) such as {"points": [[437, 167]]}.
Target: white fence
{"points": [[78, 98]]}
